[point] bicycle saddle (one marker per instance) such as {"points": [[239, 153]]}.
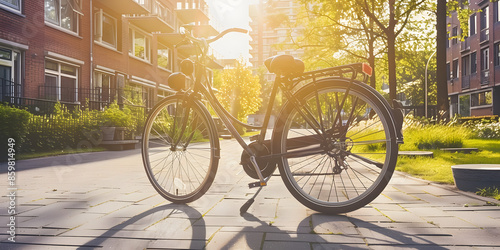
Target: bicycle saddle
{"points": [[285, 65]]}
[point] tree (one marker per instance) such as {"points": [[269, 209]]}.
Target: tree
{"points": [[336, 29], [392, 22], [238, 91], [360, 29]]}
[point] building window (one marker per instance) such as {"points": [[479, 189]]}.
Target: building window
{"points": [[464, 105], [102, 93], [144, 3], [63, 13], [164, 57], [485, 66], [448, 71], [454, 73], [484, 14], [484, 23], [10, 73], [496, 11], [485, 59], [105, 29], [473, 63], [481, 99], [454, 34], [140, 45], [472, 24], [497, 54], [12, 4], [465, 65], [61, 82]]}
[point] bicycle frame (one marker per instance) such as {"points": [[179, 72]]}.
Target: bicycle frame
{"points": [[286, 85]]}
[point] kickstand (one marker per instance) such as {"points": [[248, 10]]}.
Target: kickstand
{"points": [[247, 204]]}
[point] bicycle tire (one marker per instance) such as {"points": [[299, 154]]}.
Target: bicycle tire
{"points": [[350, 168], [180, 172]]}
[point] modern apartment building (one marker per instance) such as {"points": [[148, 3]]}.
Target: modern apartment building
{"points": [[474, 64], [269, 24], [91, 51]]}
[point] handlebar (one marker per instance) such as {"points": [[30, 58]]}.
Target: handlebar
{"points": [[223, 33]]}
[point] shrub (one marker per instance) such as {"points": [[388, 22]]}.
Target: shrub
{"points": [[419, 135], [61, 130], [113, 116], [13, 124], [485, 129]]}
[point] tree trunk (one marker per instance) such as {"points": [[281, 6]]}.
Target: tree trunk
{"points": [[391, 58], [442, 88], [391, 51]]}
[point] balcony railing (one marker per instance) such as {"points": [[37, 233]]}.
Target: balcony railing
{"points": [[485, 77], [484, 35], [465, 82]]}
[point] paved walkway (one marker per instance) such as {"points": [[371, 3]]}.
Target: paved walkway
{"points": [[104, 200]]}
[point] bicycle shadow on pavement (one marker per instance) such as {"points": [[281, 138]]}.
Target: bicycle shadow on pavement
{"points": [[198, 232], [306, 233]]}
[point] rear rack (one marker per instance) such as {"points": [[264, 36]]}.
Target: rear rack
{"points": [[348, 71]]}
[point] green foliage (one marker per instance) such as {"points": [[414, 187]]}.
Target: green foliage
{"points": [[113, 116], [417, 135], [463, 14], [489, 192], [485, 128], [12, 125], [239, 91], [62, 130]]}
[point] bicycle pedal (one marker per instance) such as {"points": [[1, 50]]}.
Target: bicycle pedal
{"points": [[256, 184]]}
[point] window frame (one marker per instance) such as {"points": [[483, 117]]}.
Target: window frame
{"points": [[496, 54], [485, 60], [484, 18], [465, 65], [473, 63], [16, 9], [99, 29], [455, 69], [478, 100], [58, 23], [169, 59], [58, 74], [472, 24], [147, 43]]}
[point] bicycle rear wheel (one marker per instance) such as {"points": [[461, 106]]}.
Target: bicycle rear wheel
{"points": [[342, 156], [180, 149]]}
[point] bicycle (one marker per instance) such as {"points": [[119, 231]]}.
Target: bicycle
{"points": [[335, 140]]}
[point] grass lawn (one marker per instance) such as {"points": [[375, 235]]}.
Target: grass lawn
{"points": [[438, 169]]}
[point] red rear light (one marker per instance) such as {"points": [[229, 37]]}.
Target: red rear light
{"points": [[367, 69]]}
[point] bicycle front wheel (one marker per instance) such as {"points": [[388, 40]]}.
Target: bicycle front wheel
{"points": [[338, 147], [180, 149]]}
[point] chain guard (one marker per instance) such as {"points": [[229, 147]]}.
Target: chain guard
{"points": [[266, 167]]}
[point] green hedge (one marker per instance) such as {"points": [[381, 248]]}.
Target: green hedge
{"points": [[13, 124]]}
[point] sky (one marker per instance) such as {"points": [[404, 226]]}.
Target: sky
{"points": [[227, 14]]}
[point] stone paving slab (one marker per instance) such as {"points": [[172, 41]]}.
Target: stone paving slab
{"points": [[104, 200]]}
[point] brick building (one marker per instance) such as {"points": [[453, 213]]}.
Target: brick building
{"points": [[91, 51], [474, 64]]}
